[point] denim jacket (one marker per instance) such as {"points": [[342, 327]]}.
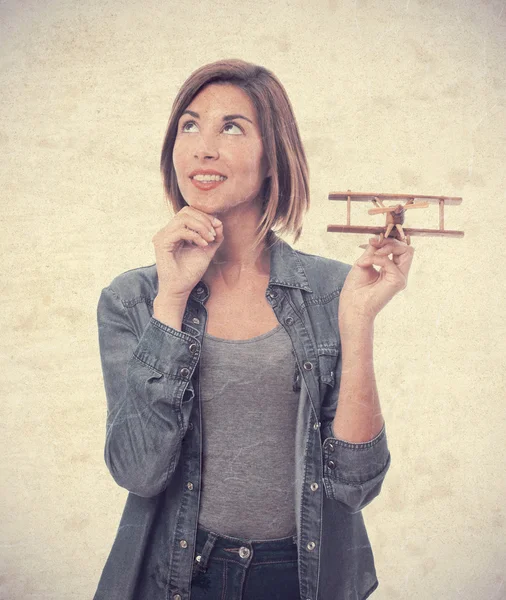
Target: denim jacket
{"points": [[154, 435]]}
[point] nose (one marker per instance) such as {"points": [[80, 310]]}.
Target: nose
{"points": [[206, 147]]}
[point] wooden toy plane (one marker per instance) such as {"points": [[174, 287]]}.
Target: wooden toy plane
{"points": [[393, 227]]}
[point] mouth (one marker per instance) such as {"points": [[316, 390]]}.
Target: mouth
{"points": [[207, 181]]}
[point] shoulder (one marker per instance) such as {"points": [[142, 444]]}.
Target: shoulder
{"points": [[136, 285], [322, 271]]}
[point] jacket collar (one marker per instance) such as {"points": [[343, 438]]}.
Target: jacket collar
{"points": [[286, 266], [285, 269]]}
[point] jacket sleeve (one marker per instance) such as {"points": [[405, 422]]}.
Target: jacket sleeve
{"points": [[147, 380], [352, 473]]}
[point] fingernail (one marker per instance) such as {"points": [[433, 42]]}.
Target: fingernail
{"points": [[216, 221]]}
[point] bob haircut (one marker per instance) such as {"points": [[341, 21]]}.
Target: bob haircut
{"points": [[285, 192]]}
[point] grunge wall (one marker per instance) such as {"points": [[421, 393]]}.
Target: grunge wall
{"points": [[393, 96]]}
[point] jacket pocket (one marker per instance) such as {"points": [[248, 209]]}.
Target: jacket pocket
{"points": [[327, 364]]}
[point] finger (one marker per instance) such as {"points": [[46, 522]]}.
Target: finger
{"points": [[200, 225], [397, 245], [193, 236], [373, 242], [393, 274], [208, 221], [402, 254], [370, 249]]}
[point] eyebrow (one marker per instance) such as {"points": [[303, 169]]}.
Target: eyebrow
{"points": [[225, 118]]}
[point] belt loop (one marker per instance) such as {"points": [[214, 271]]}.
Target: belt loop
{"points": [[206, 551]]}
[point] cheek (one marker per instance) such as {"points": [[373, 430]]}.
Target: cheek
{"points": [[251, 165], [178, 159]]}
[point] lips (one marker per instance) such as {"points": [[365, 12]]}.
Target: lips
{"points": [[214, 179], [205, 172]]}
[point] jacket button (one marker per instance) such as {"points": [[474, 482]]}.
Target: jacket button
{"points": [[311, 546], [331, 447], [183, 544], [314, 487], [177, 596], [184, 372], [332, 464], [190, 425], [195, 320], [199, 290], [308, 365], [316, 425], [244, 552], [289, 321], [189, 485], [194, 348]]}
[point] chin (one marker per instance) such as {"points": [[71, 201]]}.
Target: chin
{"points": [[205, 206]]}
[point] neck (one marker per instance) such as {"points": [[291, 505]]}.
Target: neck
{"points": [[236, 261]]}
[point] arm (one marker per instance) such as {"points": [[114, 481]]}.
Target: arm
{"points": [[354, 470], [149, 397], [356, 455], [358, 415]]}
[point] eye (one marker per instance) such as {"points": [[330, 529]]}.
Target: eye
{"points": [[227, 126], [186, 124]]}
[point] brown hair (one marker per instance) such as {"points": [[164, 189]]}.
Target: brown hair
{"points": [[286, 192]]}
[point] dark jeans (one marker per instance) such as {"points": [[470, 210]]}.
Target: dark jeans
{"points": [[228, 568]]}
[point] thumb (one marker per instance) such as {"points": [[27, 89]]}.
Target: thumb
{"points": [[365, 260]]}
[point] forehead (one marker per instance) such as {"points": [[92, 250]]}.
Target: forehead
{"points": [[223, 98]]}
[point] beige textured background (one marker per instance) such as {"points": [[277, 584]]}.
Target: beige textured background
{"points": [[392, 96]]}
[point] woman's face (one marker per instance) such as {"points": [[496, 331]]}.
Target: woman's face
{"points": [[218, 152]]}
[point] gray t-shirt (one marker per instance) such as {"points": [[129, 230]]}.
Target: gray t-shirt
{"points": [[249, 413]]}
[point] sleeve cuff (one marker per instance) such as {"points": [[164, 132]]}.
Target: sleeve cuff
{"points": [[167, 350], [355, 464]]}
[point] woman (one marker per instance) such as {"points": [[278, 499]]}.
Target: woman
{"points": [[223, 364]]}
